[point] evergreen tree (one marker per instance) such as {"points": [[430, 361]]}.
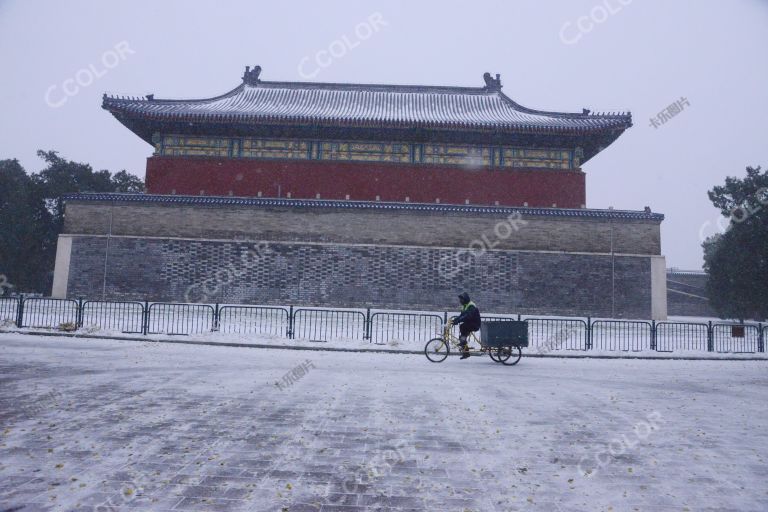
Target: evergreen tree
{"points": [[737, 260], [32, 215]]}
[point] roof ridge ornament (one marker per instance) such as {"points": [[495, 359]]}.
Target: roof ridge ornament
{"points": [[492, 84], [251, 76]]}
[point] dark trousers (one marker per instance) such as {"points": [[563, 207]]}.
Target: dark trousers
{"points": [[464, 331]]}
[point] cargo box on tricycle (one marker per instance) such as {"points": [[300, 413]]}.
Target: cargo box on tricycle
{"points": [[504, 333]]}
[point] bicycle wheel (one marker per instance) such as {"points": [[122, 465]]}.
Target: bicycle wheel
{"points": [[492, 355], [509, 355], [437, 350]]}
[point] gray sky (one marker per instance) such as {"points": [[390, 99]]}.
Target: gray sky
{"points": [[640, 55]]}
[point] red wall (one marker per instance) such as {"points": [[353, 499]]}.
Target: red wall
{"points": [[364, 181]]}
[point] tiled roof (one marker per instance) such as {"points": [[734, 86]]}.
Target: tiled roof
{"points": [[363, 205], [377, 106]]}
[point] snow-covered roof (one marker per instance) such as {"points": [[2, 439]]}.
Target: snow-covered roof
{"points": [[372, 106]]}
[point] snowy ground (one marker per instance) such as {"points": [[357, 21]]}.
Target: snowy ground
{"points": [[125, 425]]}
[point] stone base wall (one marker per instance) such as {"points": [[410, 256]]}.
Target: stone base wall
{"points": [[580, 262], [686, 295], [336, 275]]}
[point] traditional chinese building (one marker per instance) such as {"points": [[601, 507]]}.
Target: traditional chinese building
{"points": [[365, 195], [456, 145]]}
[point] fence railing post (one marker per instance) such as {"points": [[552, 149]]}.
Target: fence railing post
{"points": [[290, 323], [445, 317], [79, 315], [216, 311], [589, 333], [519, 317], [710, 338], [145, 319], [653, 334], [20, 312], [367, 335], [760, 338]]}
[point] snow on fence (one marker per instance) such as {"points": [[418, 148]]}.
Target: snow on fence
{"points": [[395, 328]]}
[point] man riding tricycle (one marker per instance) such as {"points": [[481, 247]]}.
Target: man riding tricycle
{"points": [[501, 339]]}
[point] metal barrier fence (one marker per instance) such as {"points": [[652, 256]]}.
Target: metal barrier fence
{"points": [[49, 313], [169, 318], [548, 334], [124, 317], [254, 320], [397, 328], [671, 336], [380, 327], [621, 335], [9, 311], [763, 338], [327, 324], [736, 338]]}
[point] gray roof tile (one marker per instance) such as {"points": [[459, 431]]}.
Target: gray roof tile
{"points": [[256, 101], [365, 205]]}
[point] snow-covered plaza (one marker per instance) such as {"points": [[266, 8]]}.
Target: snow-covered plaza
{"points": [[126, 425]]}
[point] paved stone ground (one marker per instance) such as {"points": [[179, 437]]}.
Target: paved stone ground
{"points": [[99, 425]]}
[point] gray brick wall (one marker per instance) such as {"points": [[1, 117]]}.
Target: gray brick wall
{"points": [[686, 295], [341, 275], [380, 227]]}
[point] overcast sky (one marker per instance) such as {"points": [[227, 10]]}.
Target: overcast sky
{"points": [[641, 55]]}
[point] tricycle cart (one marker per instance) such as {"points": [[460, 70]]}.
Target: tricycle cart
{"points": [[501, 339]]}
